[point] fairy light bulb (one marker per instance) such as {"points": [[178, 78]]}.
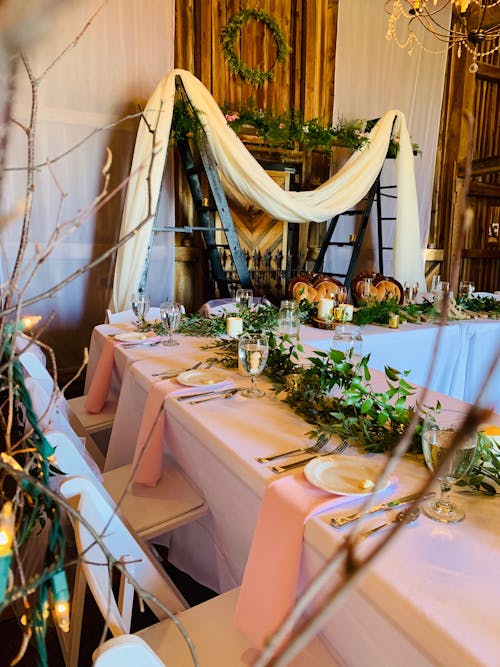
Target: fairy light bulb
{"points": [[7, 525], [60, 597], [30, 321], [7, 518]]}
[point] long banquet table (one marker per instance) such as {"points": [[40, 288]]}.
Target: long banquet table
{"points": [[430, 599], [466, 350]]}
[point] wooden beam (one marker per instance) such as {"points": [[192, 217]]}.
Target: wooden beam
{"points": [[478, 189], [478, 253], [488, 72], [482, 166], [434, 255]]}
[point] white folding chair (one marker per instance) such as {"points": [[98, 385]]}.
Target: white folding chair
{"points": [[217, 642], [126, 651], [128, 316], [84, 423], [149, 513]]}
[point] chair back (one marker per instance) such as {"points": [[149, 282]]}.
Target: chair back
{"points": [[99, 512], [126, 651], [34, 368], [128, 315]]}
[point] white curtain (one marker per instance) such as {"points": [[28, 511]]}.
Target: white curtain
{"points": [[373, 75], [243, 174], [113, 68]]}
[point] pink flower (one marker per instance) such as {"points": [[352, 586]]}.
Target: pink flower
{"points": [[232, 116]]}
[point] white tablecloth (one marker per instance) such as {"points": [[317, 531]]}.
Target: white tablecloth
{"points": [[466, 351], [431, 599]]}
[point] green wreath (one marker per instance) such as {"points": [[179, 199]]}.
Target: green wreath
{"points": [[228, 34]]}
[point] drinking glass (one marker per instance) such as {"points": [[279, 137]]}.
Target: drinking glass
{"points": [[436, 281], [366, 289], [414, 291], [244, 297], [140, 305], [289, 318], [253, 350], [466, 289], [438, 432], [348, 339], [341, 295], [170, 315]]}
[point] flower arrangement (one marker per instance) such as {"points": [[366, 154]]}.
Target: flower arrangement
{"points": [[287, 129]]}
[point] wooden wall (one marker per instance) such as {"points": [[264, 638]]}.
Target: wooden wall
{"points": [[304, 82], [471, 113]]}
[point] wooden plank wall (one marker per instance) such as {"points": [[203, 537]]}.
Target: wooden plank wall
{"points": [[304, 82], [479, 97]]}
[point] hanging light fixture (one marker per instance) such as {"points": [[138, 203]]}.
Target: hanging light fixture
{"points": [[475, 25]]}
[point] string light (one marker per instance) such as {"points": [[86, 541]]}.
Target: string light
{"points": [[7, 523], [60, 598], [471, 28], [24, 324]]}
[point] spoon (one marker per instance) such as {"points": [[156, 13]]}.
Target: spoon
{"points": [[405, 516]]}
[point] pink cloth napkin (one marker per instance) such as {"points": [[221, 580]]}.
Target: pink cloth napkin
{"points": [[99, 387], [269, 587], [150, 435]]}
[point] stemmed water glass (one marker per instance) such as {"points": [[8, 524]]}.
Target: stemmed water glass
{"points": [[244, 298], [140, 305], [438, 433], [253, 350], [170, 315]]}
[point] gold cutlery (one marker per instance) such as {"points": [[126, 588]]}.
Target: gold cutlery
{"points": [[340, 521], [296, 464], [172, 372], [406, 516], [317, 447], [229, 393]]}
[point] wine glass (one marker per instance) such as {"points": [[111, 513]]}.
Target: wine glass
{"points": [[438, 432], [253, 350], [244, 298], [170, 315], [140, 305]]}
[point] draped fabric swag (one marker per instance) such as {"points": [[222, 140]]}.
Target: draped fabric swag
{"points": [[241, 173]]}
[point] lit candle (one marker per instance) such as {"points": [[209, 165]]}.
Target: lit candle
{"points": [[7, 522], [234, 326], [325, 307]]}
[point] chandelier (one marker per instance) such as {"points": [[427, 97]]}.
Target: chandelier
{"points": [[475, 25]]}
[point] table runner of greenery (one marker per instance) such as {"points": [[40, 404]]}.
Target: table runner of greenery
{"points": [[332, 391]]}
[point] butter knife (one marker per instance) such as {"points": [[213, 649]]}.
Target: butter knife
{"points": [[296, 464], [340, 521], [202, 394]]}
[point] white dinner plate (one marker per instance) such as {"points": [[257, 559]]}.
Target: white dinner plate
{"points": [[345, 475], [201, 378], [133, 336]]}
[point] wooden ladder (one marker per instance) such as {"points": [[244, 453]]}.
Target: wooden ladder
{"points": [[363, 208], [206, 209]]}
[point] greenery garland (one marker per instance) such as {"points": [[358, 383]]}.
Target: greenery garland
{"points": [[251, 75]]}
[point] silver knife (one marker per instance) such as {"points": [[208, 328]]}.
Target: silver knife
{"points": [[340, 521], [296, 464]]}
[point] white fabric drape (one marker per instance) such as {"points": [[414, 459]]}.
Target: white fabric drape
{"points": [[243, 173], [114, 66], [373, 74]]}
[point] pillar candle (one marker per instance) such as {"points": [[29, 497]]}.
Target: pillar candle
{"points": [[234, 326], [325, 307]]}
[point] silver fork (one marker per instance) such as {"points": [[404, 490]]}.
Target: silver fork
{"points": [[340, 449], [313, 449]]}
